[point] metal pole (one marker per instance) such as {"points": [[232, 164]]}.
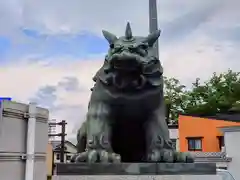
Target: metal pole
{"points": [[153, 26], [63, 124], [153, 23]]}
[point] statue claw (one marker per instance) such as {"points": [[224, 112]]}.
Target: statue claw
{"points": [[170, 156], [96, 156], [184, 157]]}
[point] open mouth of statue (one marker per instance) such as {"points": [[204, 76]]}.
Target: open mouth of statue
{"points": [[129, 64]]}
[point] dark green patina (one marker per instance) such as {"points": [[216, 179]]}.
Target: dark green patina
{"points": [[136, 169], [125, 121]]}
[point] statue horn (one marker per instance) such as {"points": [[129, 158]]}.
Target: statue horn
{"points": [[128, 31], [111, 38], [153, 37]]}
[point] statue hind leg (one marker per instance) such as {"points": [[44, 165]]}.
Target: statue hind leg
{"points": [[81, 141], [82, 138], [98, 146], [160, 147]]}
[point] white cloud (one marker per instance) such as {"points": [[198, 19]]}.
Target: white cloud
{"points": [[199, 56], [227, 15], [29, 76], [74, 16]]}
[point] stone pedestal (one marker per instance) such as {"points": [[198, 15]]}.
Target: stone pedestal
{"points": [[142, 177], [69, 171]]}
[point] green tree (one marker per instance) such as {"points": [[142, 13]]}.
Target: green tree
{"points": [[174, 94], [236, 107], [219, 94]]}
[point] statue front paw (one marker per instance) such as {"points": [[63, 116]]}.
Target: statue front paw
{"points": [[184, 157], [96, 156], [170, 156]]}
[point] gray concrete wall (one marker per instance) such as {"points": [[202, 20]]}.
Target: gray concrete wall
{"points": [[15, 169], [13, 133]]}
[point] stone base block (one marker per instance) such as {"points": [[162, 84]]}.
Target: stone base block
{"points": [[144, 177], [72, 169]]}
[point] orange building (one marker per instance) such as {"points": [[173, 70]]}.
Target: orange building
{"points": [[203, 134]]}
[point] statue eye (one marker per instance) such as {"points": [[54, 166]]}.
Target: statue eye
{"points": [[143, 46], [111, 46], [131, 47]]}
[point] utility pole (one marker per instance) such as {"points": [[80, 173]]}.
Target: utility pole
{"points": [[62, 135], [153, 24]]}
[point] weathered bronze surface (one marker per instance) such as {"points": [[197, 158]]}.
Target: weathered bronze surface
{"points": [[136, 169], [125, 121]]}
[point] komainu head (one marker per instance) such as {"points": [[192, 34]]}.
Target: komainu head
{"points": [[130, 59]]}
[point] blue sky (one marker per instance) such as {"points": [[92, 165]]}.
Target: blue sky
{"points": [[78, 46], [54, 47]]}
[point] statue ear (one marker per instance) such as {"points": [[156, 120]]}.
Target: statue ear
{"points": [[152, 38], [111, 38]]}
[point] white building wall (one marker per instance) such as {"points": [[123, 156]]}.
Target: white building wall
{"points": [[232, 147], [71, 149], [174, 134]]}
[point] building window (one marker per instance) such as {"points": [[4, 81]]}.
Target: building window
{"points": [[68, 157], [174, 141], [58, 156], [221, 142], [194, 144]]}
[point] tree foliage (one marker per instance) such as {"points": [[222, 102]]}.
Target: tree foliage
{"points": [[219, 94], [174, 94]]}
